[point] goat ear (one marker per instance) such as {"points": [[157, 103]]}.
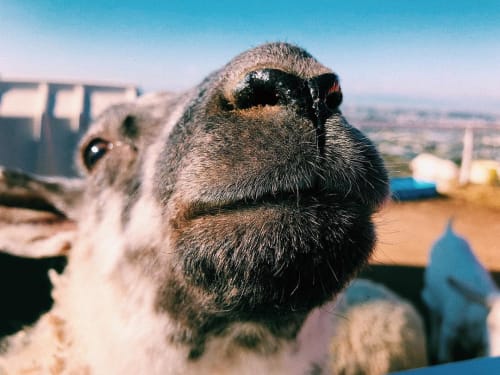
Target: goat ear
{"points": [[469, 293], [37, 215]]}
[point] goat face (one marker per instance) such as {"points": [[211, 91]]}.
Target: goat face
{"points": [[248, 198]]}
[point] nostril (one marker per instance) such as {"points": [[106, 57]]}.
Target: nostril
{"points": [[325, 89], [258, 88], [269, 87], [334, 96]]}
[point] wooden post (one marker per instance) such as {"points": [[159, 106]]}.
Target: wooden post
{"points": [[467, 151]]}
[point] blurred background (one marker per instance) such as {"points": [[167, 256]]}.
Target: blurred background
{"points": [[404, 65], [421, 78]]}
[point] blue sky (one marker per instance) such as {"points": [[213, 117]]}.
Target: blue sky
{"points": [[444, 52]]}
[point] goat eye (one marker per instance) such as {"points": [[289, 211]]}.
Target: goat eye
{"points": [[94, 151]]}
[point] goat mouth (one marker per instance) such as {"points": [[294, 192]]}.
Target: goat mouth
{"points": [[279, 253], [309, 198]]}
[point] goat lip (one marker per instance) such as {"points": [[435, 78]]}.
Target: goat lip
{"points": [[300, 199]]}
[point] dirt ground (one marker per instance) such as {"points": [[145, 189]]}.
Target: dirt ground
{"points": [[407, 230]]}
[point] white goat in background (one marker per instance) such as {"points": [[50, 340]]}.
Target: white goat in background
{"points": [[491, 301], [457, 326]]}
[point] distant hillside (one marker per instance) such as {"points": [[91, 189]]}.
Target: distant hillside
{"points": [[406, 117]]}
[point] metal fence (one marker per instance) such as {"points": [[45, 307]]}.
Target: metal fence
{"points": [[42, 121]]}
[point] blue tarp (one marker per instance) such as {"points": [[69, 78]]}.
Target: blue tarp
{"points": [[408, 188], [480, 366]]}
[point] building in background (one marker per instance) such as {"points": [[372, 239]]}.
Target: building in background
{"points": [[42, 121]]}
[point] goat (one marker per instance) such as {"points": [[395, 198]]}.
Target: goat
{"points": [[457, 325], [211, 231], [491, 301]]}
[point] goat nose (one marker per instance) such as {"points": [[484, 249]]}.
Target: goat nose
{"points": [[315, 97]]}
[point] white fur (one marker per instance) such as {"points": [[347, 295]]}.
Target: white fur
{"points": [[13, 240], [145, 335], [376, 332]]}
